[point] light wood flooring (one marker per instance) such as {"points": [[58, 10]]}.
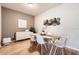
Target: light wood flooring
{"points": [[27, 47], [18, 48]]}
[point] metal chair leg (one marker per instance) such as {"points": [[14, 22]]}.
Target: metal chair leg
{"points": [[55, 51], [48, 45], [41, 49], [52, 47], [51, 50], [45, 47], [37, 46], [62, 51]]}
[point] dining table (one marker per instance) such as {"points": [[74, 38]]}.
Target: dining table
{"points": [[48, 37], [51, 38]]}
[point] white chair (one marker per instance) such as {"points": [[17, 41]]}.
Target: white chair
{"points": [[33, 38], [40, 41], [60, 43]]}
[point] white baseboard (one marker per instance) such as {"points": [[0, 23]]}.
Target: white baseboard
{"points": [[72, 48]]}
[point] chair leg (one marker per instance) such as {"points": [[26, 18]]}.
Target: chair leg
{"points": [[41, 49], [45, 47], [37, 46], [62, 51], [51, 50], [48, 45], [55, 51]]}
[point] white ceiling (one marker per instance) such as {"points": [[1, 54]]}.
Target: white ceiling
{"points": [[34, 10]]}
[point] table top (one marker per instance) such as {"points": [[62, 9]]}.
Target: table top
{"points": [[48, 36]]}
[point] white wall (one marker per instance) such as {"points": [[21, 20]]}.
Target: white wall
{"points": [[0, 22], [69, 14]]}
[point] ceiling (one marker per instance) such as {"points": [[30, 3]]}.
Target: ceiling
{"points": [[34, 10]]}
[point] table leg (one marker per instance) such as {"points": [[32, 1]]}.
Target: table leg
{"points": [[52, 47]]}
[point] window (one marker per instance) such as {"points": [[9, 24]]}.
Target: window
{"points": [[22, 23]]}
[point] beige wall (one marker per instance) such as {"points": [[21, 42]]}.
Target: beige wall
{"points": [[9, 21], [0, 23]]}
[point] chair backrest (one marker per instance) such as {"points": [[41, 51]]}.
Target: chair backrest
{"points": [[61, 43], [39, 39], [33, 38]]}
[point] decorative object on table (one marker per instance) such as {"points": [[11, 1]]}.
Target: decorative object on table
{"points": [[32, 29], [43, 33], [44, 30]]}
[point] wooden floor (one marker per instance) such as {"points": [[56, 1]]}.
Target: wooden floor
{"points": [[26, 47], [18, 48]]}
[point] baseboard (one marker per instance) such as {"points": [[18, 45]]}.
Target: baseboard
{"points": [[73, 51], [72, 48]]}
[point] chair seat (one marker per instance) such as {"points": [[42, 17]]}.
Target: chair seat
{"points": [[59, 44]]}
